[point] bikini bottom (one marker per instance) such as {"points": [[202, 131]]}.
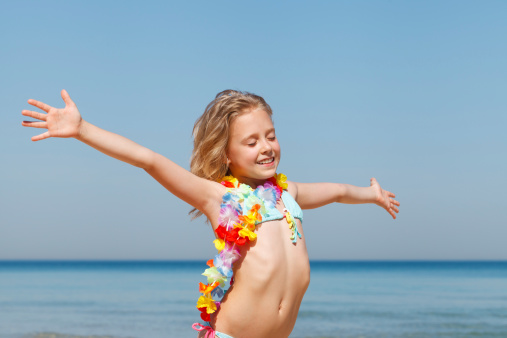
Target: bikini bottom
{"points": [[222, 335]]}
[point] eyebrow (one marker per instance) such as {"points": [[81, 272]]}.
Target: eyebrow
{"points": [[254, 135]]}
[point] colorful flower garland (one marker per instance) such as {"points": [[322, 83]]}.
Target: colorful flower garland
{"points": [[236, 227]]}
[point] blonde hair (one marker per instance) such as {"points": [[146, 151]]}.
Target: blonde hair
{"points": [[211, 133]]}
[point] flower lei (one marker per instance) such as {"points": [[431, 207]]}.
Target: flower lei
{"points": [[236, 228]]}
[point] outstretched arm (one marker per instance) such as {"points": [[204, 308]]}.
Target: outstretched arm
{"points": [[68, 123], [314, 195]]}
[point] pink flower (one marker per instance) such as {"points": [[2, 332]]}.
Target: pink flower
{"points": [[228, 216]]}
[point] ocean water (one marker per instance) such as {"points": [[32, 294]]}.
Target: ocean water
{"points": [[345, 299]]}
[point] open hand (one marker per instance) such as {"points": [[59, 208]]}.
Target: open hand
{"points": [[59, 122], [385, 198]]}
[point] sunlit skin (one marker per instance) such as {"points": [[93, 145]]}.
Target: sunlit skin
{"points": [[273, 273]]}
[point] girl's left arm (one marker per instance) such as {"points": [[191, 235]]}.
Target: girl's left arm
{"points": [[315, 195]]}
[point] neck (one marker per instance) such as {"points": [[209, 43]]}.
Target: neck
{"points": [[252, 182]]}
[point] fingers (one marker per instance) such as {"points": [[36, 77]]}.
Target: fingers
{"points": [[390, 196], [392, 209], [66, 98], [41, 136], [34, 124], [389, 204], [35, 115], [40, 105]]}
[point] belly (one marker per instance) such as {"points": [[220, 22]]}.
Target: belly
{"points": [[269, 283]]}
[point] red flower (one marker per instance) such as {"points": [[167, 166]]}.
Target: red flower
{"points": [[204, 315], [277, 187], [221, 232], [231, 236], [242, 240], [236, 238], [227, 184]]}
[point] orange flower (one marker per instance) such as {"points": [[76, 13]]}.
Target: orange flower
{"points": [[207, 288], [250, 219], [230, 182]]}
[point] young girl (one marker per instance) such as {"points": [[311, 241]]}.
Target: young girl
{"points": [[257, 280]]}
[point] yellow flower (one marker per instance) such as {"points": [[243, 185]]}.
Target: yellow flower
{"points": [[246, 220], [244, 232], [207, 302], [289, 219], [280, 180], [219, 244]]}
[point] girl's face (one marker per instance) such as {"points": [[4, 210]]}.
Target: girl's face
{"points": [[253, 151]]}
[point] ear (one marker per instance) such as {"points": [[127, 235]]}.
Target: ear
{"points": [[226, 160]]}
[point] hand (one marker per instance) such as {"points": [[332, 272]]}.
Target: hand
{"points": [[63, 122], [385, 198]]}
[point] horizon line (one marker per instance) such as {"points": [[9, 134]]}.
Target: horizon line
{"points": [[201, 260]]}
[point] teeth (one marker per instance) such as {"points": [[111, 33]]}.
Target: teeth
{"points": [[267, 161]]}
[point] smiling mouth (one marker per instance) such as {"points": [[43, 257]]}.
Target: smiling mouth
{"points": [[267, 161]]}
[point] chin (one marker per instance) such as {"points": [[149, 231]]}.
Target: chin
{"points": [[270, 173]]}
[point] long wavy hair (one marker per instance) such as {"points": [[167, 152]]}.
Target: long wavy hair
{"points": [[211, 133]]}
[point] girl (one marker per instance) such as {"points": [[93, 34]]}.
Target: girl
{"points": [[258, 278]]}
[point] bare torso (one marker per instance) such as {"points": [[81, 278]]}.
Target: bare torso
{"points": [[270, 280]]}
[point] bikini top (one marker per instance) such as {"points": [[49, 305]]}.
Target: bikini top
{"points": [[290, 204]]}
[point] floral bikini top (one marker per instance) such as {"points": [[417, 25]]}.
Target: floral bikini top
{"points": [[241, 210]]}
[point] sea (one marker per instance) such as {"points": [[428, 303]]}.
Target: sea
{"points": [[156, 299]]}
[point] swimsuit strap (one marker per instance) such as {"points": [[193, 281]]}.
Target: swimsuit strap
{"points": [[210, 333], [292, 206]]}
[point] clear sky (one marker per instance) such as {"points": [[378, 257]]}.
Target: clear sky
{"points": [[410, 92]]}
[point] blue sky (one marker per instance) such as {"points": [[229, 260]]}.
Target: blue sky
{"points": [[412, 93]]}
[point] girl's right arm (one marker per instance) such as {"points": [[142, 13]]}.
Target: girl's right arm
{"points": [[67, 122]]}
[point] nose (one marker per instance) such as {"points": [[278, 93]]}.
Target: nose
{"points": [[266, 147]]}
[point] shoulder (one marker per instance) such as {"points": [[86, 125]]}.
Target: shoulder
{"points": [[292, 189]]}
